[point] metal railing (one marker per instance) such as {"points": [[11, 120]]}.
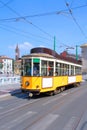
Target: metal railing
{"points": [[9, 80]]}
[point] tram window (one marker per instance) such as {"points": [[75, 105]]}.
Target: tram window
{"points": [[57, 71], [78, 70], [72, 70], [69, 69], [27, 67], [62, 68], [50, 68], [47, 68], [65, 69], [44, 68], [36, 69], [22, 73]]}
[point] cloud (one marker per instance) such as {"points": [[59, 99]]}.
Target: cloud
{"points": [[25, 46], [12, 46]]}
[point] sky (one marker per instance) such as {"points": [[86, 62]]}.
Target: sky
{"points": [[35, 23]]}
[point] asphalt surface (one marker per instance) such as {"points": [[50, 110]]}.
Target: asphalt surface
{"points": [[9, 89], [66, 111]]}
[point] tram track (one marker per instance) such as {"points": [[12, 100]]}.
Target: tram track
{"points": [[48, 113], [10, 111], [51, 110], [31, 101], [46, 100], [56, 107]]}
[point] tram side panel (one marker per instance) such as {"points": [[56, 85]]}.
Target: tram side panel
{"points": [[60, 81], [79, 78], [45, 84], [37, 84]]}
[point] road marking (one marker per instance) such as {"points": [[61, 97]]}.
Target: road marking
{"points": [[22, 105], [18, 120], [44, 122], [71, 124]]}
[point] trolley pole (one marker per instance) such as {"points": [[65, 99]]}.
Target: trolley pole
{"points": [[76, 52], [54, 42]]}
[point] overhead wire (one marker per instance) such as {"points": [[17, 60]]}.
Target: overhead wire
{"points": [[74, 19], [25, 32], [36, 15], [15, 19], [26, 20], [6, 3]]}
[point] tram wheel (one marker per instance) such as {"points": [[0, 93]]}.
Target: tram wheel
{"points": [[56, 91], [76, 84], [62, 89], [51, 93]]}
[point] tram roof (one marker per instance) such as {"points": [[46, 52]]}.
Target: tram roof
{"points": [[48, 53]]}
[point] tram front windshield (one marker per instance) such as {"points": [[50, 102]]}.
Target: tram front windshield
{"points": [[30, 68]]}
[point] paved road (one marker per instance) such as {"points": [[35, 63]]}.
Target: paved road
{"points": [[9, 89], [65, 111]]}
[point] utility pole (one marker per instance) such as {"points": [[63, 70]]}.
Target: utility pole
{"points": [[76, 52], [54, 42]]}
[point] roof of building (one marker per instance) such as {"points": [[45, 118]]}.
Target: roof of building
{"points": [[84, 45], [5, 57]]}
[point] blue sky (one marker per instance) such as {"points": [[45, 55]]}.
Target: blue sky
{"points": [[34, 23]]}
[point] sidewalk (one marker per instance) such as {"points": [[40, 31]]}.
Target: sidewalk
{"points": [[9, 89]]}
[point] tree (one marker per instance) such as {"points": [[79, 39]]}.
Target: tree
{"points": [[1, 65]]}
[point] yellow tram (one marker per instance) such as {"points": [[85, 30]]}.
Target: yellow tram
{"points": [[45, 71]]}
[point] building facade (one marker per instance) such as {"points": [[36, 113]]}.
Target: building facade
{"points": [[17, 61], [17, 53], [6, 65], [17, 67], [66, 54], [84, 57], [1, 66]]}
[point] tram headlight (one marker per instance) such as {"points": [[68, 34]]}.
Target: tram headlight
{"points": [[27, 83]]}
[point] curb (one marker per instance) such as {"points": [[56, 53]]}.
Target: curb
{"points": [[11, 93]]}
